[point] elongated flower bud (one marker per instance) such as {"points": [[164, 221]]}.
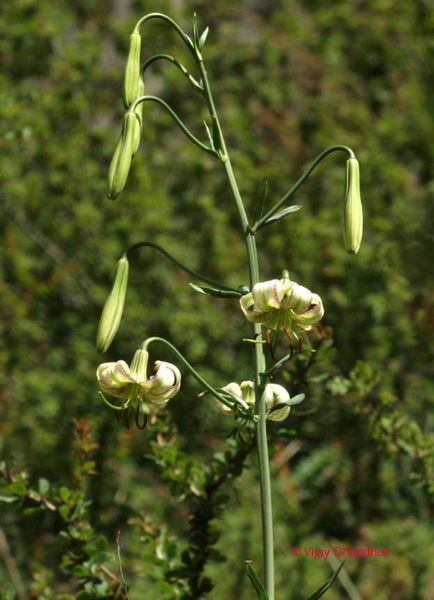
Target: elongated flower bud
{"points": [[113, 307], [352, 209], [121, 161], [139, 365], [132, 70]]}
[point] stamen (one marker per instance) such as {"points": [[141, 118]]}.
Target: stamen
{"points": [[143, 424]]}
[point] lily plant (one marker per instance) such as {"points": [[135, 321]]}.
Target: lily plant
{"points": [[270, 307]]}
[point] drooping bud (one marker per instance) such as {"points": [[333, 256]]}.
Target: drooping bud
{"points": [[132, 70], [139, 365], [121, 161], [352, 208], [113, 307]]}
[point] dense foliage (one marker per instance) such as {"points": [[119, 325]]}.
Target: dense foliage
{"points": [[353, 465]]}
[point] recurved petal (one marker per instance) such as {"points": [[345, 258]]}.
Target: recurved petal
{"points": [[233, 388], [226, 410], [280, 414], [300, 298], [268, 294], [114, 377], [276, 394], [248, 307], [248, 392], [313, 313], [163, 385]]}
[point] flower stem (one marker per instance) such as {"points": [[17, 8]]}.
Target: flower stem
{"points": [[178, 263], [175, 62], [162, 17], [260, 363], [300, 181], [186, 364], [176, 118]]}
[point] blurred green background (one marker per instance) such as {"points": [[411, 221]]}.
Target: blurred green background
{"points": [[289, 78]]}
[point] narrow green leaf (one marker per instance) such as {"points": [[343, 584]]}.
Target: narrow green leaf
{"points": [[280, 215], [290, 402], [203, 37], [215, 292], [195, 30], [240, 401], [208, 132], [277, 364], [296, 399], [277, 407], [256, 582], [325, 586], [216, 135]]}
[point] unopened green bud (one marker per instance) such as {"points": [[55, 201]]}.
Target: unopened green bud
{"points": [[132, 70], [139, 364], [121, 161], [113, 307], [352, 209]]}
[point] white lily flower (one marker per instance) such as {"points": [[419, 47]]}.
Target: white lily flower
{"points": [[133, 385], [282, 304], [274, 395]]}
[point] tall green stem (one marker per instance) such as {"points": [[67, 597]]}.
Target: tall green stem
{"points": [[260, 364]]}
